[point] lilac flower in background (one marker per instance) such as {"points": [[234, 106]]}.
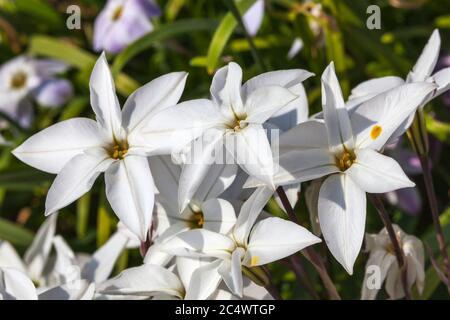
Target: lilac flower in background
{"points": [[121, 22], [54, 93], [253, 17], [21, 81], [407, 199]]}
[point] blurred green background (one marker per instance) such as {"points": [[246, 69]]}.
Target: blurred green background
{"points": [[198, 37]]}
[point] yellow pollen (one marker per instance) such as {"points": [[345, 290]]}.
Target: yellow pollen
{"points": [[254, 261], [19, 80], [199, 220], [345, 160], [119, 150], [117, 13], [375, 132]]}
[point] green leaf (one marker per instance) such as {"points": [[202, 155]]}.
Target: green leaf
{"points": [[223, 34], [39, 10], [24, 179], [76, 57], [74, 108], [173, 7], [104, 222], [167, 31], [440, 130], [15, 234], [83, 215]]}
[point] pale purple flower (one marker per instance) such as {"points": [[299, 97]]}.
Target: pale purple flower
{"points": [[121, 22], [253, 17], [19, 79], [54, 93]]}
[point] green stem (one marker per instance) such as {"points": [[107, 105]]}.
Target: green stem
{"points": [[309, 252], [234, 10]]}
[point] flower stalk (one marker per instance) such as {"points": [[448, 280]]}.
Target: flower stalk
{"points": [[418, 136], [309, 252]]}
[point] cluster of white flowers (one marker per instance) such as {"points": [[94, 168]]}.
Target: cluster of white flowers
{"points": [[200, 225]]}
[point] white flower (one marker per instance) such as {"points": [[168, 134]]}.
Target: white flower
{"points": [[79, 149], [233, 118], [15, 285], [346, 147], [249, 245], [155, 282], [382, 255], [36, 257], [205, 210], [421, 72]]}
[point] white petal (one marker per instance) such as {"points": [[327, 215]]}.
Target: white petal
{"points": [[231, 272], [146, 280], [186, 267], [174, 127], [37, 253], [165, 176], [196, 168], [442, 79], [75, 290], [375, 121], [226, 90], [383, 260], [293, 113], [375, 86], [342, 217], [377, 173], [250, 211], [335, 113], [218, 178], [52, 148], [15, 285], [263, 103], [251, 150], [427, 60], [218, 215], [300, 166], [74, 180], [283, 78], [103, 98], [66, 268], [199, 243], [273, 239], [99, 267], [9, 257], [204, 281], [130, 191], [158, 94]]}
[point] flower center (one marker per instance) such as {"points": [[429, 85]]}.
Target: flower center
{"points": [[117, 13], [345, 160], [198, 220], [119, 150], [18, 80], [239, 123]]}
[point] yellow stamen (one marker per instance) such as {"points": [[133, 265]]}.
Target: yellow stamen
{"points": [[198, 220], [119, 150], [375, 132], [254, 261], [345, 160], [117, 13]]}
